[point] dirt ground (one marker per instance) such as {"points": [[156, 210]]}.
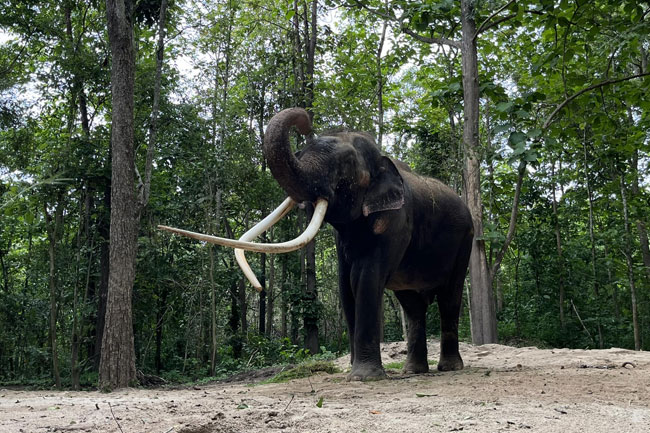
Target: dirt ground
{"points": [[501, 389]]}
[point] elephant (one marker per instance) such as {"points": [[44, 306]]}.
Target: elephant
{"points": [[394, 230]]}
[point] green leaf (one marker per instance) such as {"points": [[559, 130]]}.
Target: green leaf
{"points": [[519, 149], [534, 133], [242, 406], [320, 402], [530, 156], [517, 138], [522, 114], [504, 106]]}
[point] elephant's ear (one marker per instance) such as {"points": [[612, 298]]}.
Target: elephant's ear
{"points": [[386, 190]]}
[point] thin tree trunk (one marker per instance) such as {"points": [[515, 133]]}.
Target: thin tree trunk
{"points": [[592, 238], [145, 185], [243, 306], [591, 216], [640, 224], [160, 316], [213, 286], [103, 229], [558, 243], [117, 364], [213, 312], [5, 272], [630, 265], [270, 289], [284, 296], [310, 313], [483, 316], [74, 338], [308, 52], [380, 88], [53, 228]]}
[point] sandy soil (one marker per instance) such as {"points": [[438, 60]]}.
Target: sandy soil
{"points": [[501, 389]]}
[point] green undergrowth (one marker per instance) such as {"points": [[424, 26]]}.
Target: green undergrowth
{"points": [[398, 365], [305, 369]]}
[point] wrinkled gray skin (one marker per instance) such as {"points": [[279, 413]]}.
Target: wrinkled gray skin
{"points": [[395, 230]]}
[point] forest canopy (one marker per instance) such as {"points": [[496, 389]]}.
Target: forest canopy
{"points": [[561, 154]]}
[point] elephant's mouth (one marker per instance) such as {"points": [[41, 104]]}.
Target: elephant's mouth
{"points": [[245, 241]]}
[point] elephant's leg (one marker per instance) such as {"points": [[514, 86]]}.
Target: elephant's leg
{"points": [[449, 302], [347, 302], [449, 311], [415, 309], [367, 284]]}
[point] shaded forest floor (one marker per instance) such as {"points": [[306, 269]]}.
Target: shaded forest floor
{"points": [[501, 389]]}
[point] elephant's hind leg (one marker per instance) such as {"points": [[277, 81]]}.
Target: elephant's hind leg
{"points": [[449, 302], [415, 308], [449, 355]]}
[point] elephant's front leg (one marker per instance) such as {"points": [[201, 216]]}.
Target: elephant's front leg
{"points": [[367, 283]]}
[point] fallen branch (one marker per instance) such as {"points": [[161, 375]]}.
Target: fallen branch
{"points": [[287, 406], [115, 419], [581, 322]]}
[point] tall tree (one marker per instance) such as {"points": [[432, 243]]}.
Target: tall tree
{"points": [[117, 364]]}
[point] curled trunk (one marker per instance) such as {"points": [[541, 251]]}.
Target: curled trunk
{"points": [[286, 168]]}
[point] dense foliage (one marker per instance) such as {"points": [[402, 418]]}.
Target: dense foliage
{"points": [[563, 89]]}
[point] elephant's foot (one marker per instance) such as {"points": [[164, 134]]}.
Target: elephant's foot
{"points": [[450, 363], [416, 366], [365, 372]]}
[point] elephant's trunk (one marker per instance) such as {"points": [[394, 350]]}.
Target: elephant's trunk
{"points": [[285, 167]]}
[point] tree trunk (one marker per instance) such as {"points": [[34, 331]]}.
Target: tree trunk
{"points": [[234, 320], [380, 88], [53, 228], [590, 200], [103, 228], [145, 185], [74, 338], [117, 364], [307, 51], [160, 316], [213, 312], [592, 238], [270, 290], [630, 265], [640, 224], [262, 296], [558, 243], [483, 316], [243, 306], [310, 308], [284, 302]]}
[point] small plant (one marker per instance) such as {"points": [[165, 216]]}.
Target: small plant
{"points": [[305, 369], [398, 365]]}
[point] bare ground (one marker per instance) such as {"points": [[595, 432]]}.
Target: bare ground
{"points": [[501, 389]]}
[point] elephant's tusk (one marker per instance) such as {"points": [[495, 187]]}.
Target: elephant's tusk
{"points": [[283, 247], [257, 230]]}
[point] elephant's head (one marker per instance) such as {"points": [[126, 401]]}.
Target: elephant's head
{"points": [[343, 173], [344, 168]]}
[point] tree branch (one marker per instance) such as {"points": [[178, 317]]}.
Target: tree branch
{"points": [[549, 119], [379, 14], [438, 41], [497, 22], [495, 13], [513, 219]]}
